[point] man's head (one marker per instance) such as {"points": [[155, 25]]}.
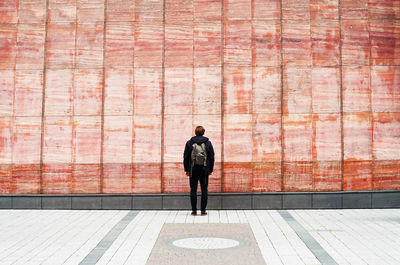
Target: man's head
{"points": [[199, 131]]}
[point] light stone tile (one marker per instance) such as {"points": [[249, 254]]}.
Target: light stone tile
{"points": [[181, 217], [14, 234], [353, 239], [140, 253], [213, 216], [70, 238], [337, 250], [242, 216], [92, 242], [232, 216], [190, 219], [43, 235], [171, 216], [363, 236], [223, 218], [267, 249], [123, 252], [121, 239], [201, 219]]}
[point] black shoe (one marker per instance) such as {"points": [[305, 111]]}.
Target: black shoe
{"points": [[203, 213], [194, 213]]}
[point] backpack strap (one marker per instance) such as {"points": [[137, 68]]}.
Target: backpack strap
{"points": [[203, 146]]}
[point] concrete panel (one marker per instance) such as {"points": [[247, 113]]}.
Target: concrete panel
{"points": [[214, 202], [176, 202], [86, 203], [327, 201], [27, 202], [267, 201], [5, 202], [356, 200], [56, 202], [117, 202], [386, 200], [296, 201], [238, 201], [147, 202]]}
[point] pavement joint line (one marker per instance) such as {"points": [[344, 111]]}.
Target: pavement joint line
{"points": [[95, 254], [312, 244]]}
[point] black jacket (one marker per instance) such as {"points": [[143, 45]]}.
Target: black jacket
{"points": [[187, 159]]}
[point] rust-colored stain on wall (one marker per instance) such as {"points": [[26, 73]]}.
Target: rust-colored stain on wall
{"points": [[100, 96]]}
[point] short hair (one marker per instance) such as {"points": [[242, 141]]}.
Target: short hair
{"points": [[199, 131]]}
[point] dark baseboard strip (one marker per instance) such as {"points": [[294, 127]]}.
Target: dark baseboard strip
{"points": [[312, 244], [216, 201]]}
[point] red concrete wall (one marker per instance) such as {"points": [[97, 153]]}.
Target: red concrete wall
{"points": [[99, 96]]}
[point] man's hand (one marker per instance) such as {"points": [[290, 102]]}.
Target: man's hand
{"points": [[187, 173]]}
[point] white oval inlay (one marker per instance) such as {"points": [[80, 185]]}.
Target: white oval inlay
{"points": [[205, 243]]}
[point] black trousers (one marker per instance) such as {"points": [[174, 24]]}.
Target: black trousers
{"points": [[199, 173]]}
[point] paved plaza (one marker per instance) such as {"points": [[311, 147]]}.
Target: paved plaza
{"points": [[223, 237]]}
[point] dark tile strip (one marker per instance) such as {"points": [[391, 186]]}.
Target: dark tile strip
{"points": [[307, 238], [94, 256]]}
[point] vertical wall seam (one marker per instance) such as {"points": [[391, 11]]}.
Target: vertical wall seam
{"points": [[43, 97], [371, 113], [341, 96], [133, 26], [282, 106], [193, 86], [72, 97], [222, 90], [12, 119], [253, 121], [102, 100], [162, 104], [313, 127]]}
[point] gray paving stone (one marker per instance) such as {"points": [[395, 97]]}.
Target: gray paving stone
{"points": [[239, 201], [327, 201], [146, 202], [86, 203], [56, 202], [5, 202], [27, 202], [267, 201], [117, 202], [296, 201]]}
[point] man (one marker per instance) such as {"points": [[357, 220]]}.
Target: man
{"points": [[198, 161]]}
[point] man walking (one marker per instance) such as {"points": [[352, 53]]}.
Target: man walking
{"points": [[198, 161]]}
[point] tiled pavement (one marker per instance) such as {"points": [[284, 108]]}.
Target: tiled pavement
{"points": [[127, 237]]}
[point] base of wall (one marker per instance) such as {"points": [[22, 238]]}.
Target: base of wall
{"points": [[216, 201]]}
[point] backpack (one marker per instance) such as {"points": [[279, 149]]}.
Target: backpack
{"points": [[199, 155]]}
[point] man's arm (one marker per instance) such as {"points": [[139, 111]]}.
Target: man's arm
{"points": [[186, 157], [210, 156]]}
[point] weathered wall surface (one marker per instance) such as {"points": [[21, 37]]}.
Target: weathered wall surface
{"points": [[99, 96]]}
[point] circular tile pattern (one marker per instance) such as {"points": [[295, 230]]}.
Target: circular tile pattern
{"points": [[205, 243]]}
